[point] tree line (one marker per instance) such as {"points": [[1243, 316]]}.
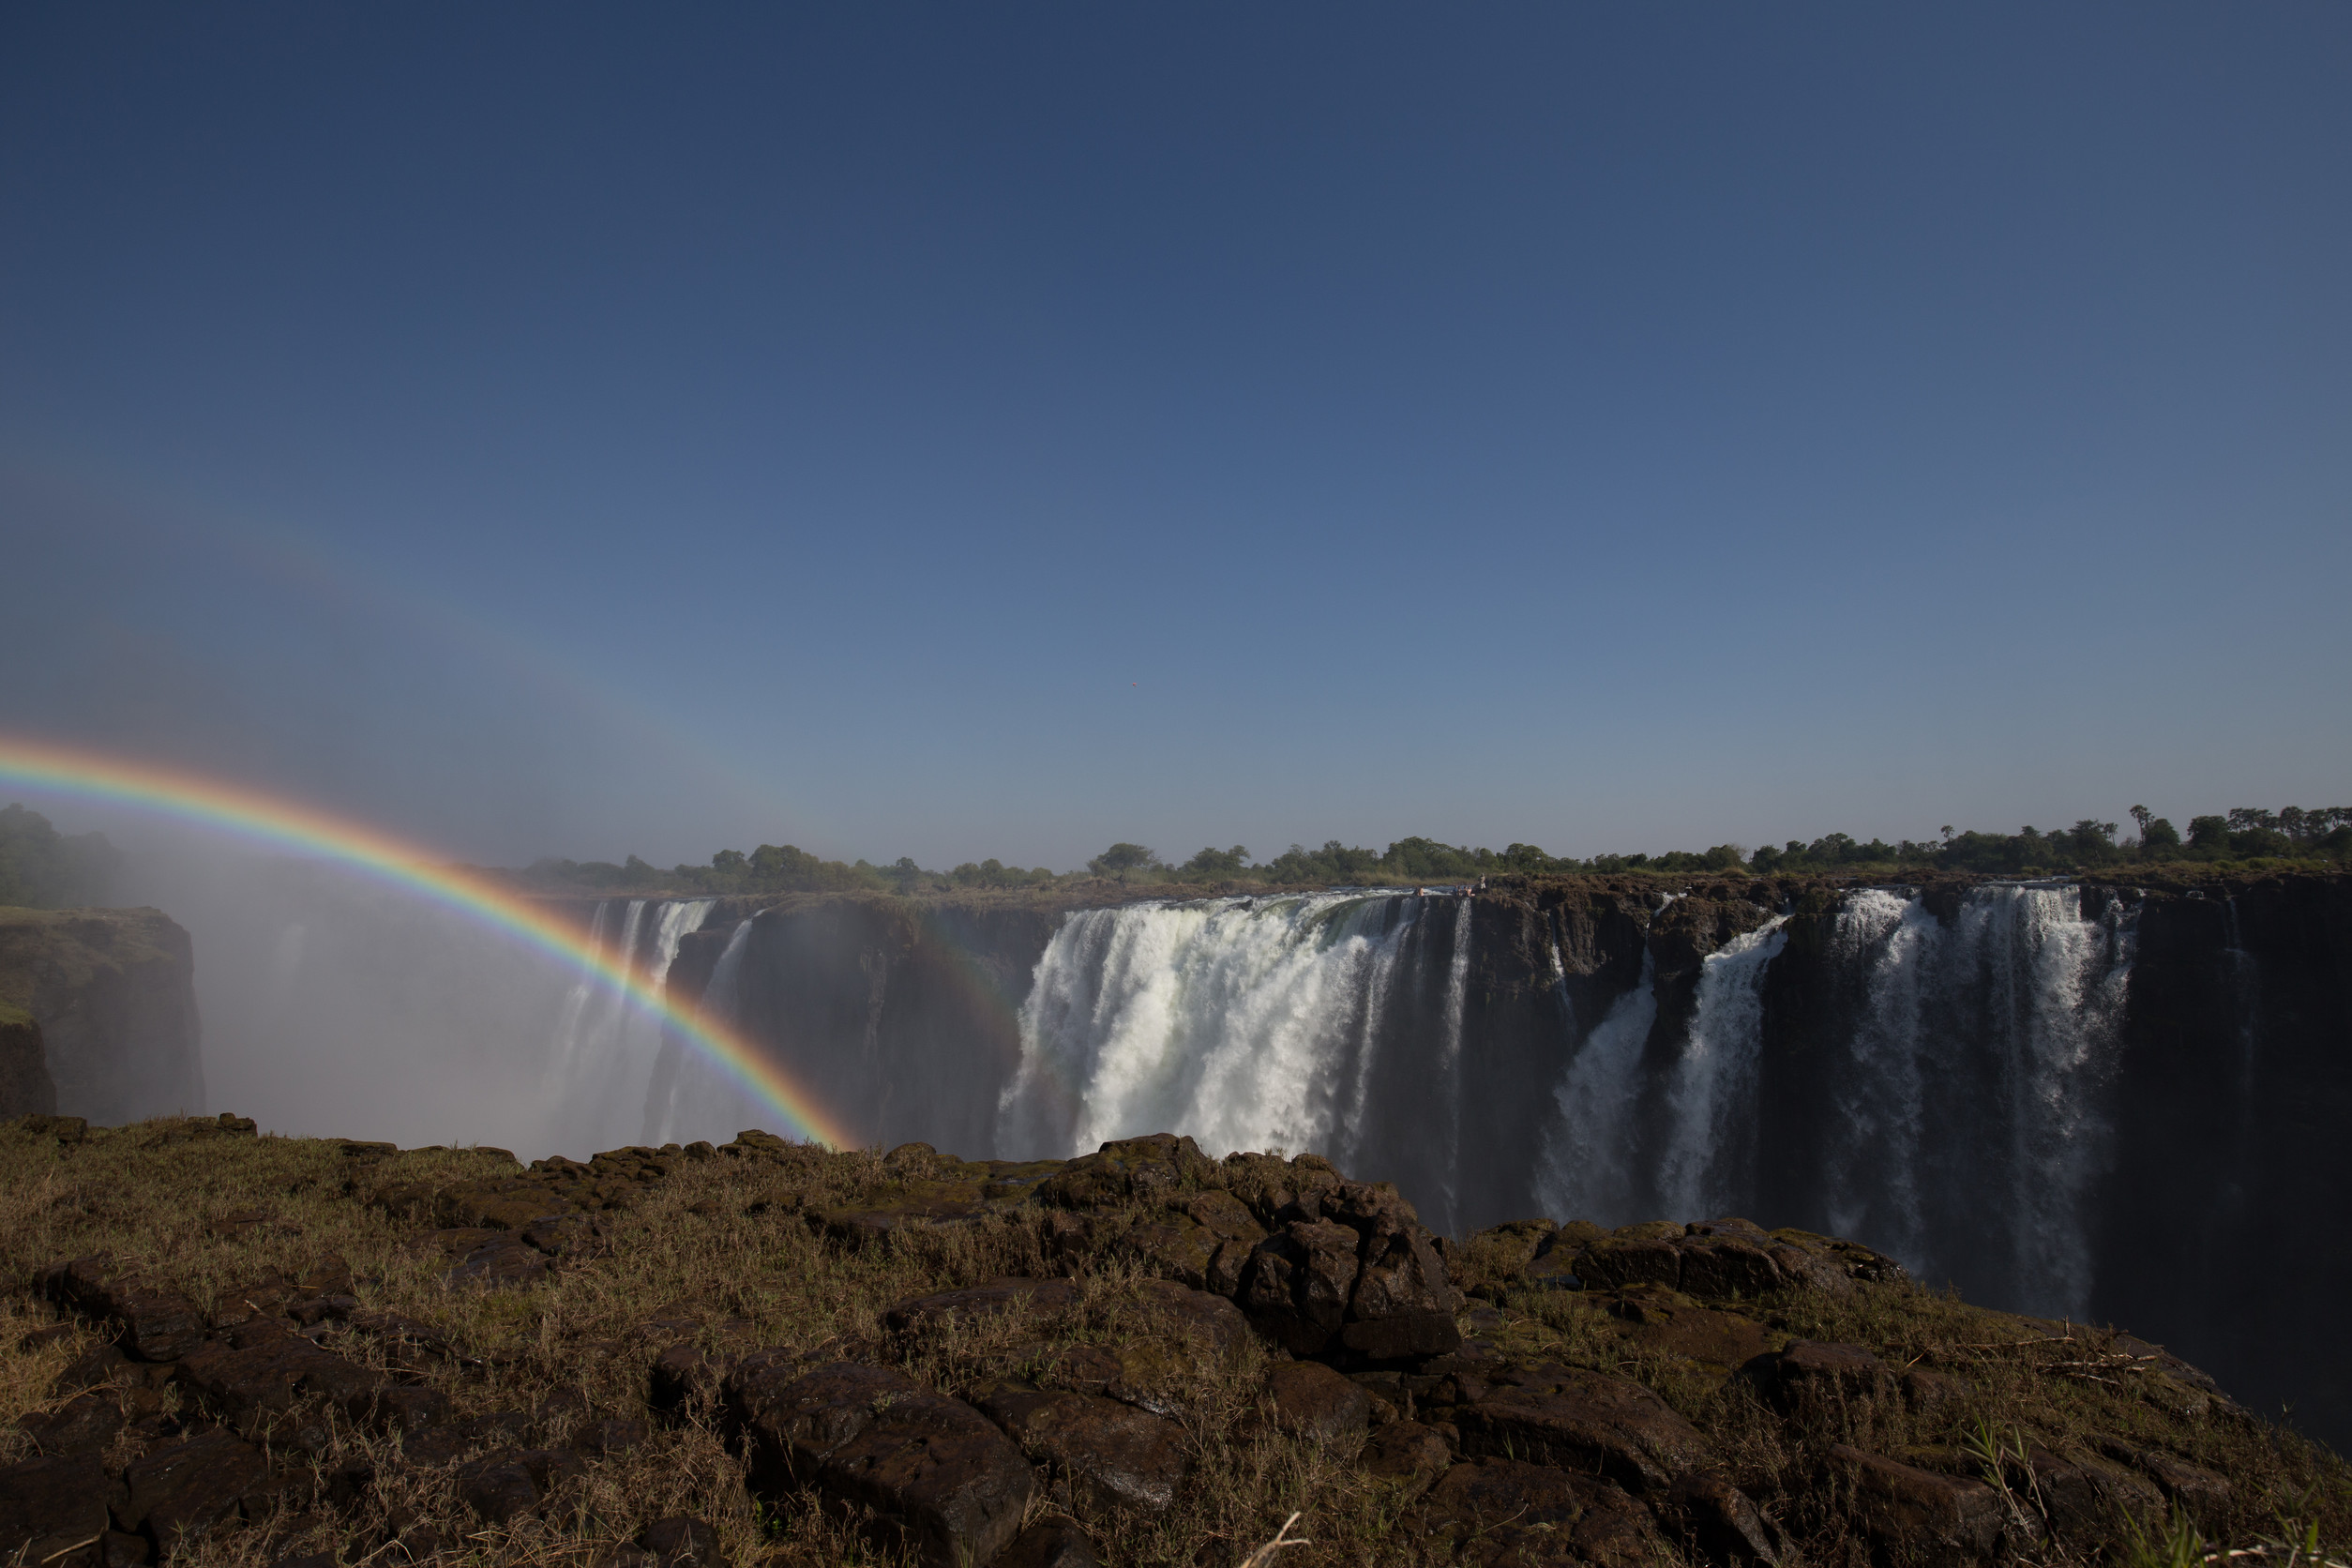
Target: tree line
{"points": [[2243, 835]]}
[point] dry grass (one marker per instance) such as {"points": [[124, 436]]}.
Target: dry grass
{"points": [[722, 1251]]}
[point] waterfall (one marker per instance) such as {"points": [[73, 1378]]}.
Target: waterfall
{"points": [[1249, 1023], [1585, 1169], [606, 1042], [1707, 1165], [687, 1096], [1971, 1119]]}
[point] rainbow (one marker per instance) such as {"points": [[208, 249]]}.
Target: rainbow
{"points": [[194, 797]]}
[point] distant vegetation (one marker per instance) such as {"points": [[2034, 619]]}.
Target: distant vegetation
{"points": [[2245, 835], [43, 869]]}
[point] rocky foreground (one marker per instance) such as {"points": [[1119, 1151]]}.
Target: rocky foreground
{"points": [[226, 1349]]}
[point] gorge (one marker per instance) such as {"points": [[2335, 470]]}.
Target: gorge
{"points": [[2075, 1099]]}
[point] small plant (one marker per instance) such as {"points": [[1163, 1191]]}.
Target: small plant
{"points": [[2175, 1544]]}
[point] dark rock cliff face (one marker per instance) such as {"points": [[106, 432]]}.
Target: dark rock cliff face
{"points": [[899, 1015], [113, 992], [2231, 1112]]}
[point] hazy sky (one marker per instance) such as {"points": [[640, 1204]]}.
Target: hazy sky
{"points": [[995, 430]]}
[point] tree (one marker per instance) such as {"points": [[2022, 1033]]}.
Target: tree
{"points": [[2209, 833], [1120, 859], [1215, 864]]}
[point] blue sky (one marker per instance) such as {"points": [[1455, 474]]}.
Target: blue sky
{"points": [[993, 430]]}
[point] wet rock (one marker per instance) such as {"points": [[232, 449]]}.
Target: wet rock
{"points": [[681, 1373], [1731, 1265], [120, 1549], [1718, 1520], [1122, 1457], [932, 1468], [1672, 1324], [185, 1488], [1299, 1282], [1311, 1400], [985, 1300], [1589, 1421], [1917, 1514], [682, 1542], [1149, 1167], [560, 1235], [49, 1503], [1406, 1455], [1502, 1510], [83, 1424]]}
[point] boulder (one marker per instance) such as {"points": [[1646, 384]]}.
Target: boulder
{"points": [[1498, 1511], [1406, 1455], [1718, 1521], [1589, 1421], [157, 1324], [1812, 1373], [49, 1503], [84, 1425], [934, 1470], [1914, 1514], [682, 1542], [985, 1300], [507, 1482], [1311, 1400], [183, 1489], [1299, 1282], [1051, 1543], [1121, 1456], [261, 1369]]}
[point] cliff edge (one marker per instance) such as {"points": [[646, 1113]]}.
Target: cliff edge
{"points": [[108, 998]]}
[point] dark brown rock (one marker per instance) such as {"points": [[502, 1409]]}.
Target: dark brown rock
{"points": [[1122, 1457], [1311, 1400], [83, 1424], [1406, 1455], [155, 1324], [931, 1467], [1299, 1282], [509, 1482], [1501, 1511], [1730, 1266], [92, 1368], [980, 1300], [2083, 1496], [500, 1262], [51, 1503], [1718, 1520], [1208, 1322], [1051, 1543], [495, 1203], [1589, 1421], [899, 1204], [1811, 1372], [1917, 1514], [185, 1488], [682, 1542], [2192, 1487], [262, 1370], [1615, 1261]]}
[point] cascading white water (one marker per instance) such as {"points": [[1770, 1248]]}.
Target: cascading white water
{"points": [[689, 1097], [1249, 1023], [604, 1050], [1714, 1087], [1587, 1167], [1971, 1108]]}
